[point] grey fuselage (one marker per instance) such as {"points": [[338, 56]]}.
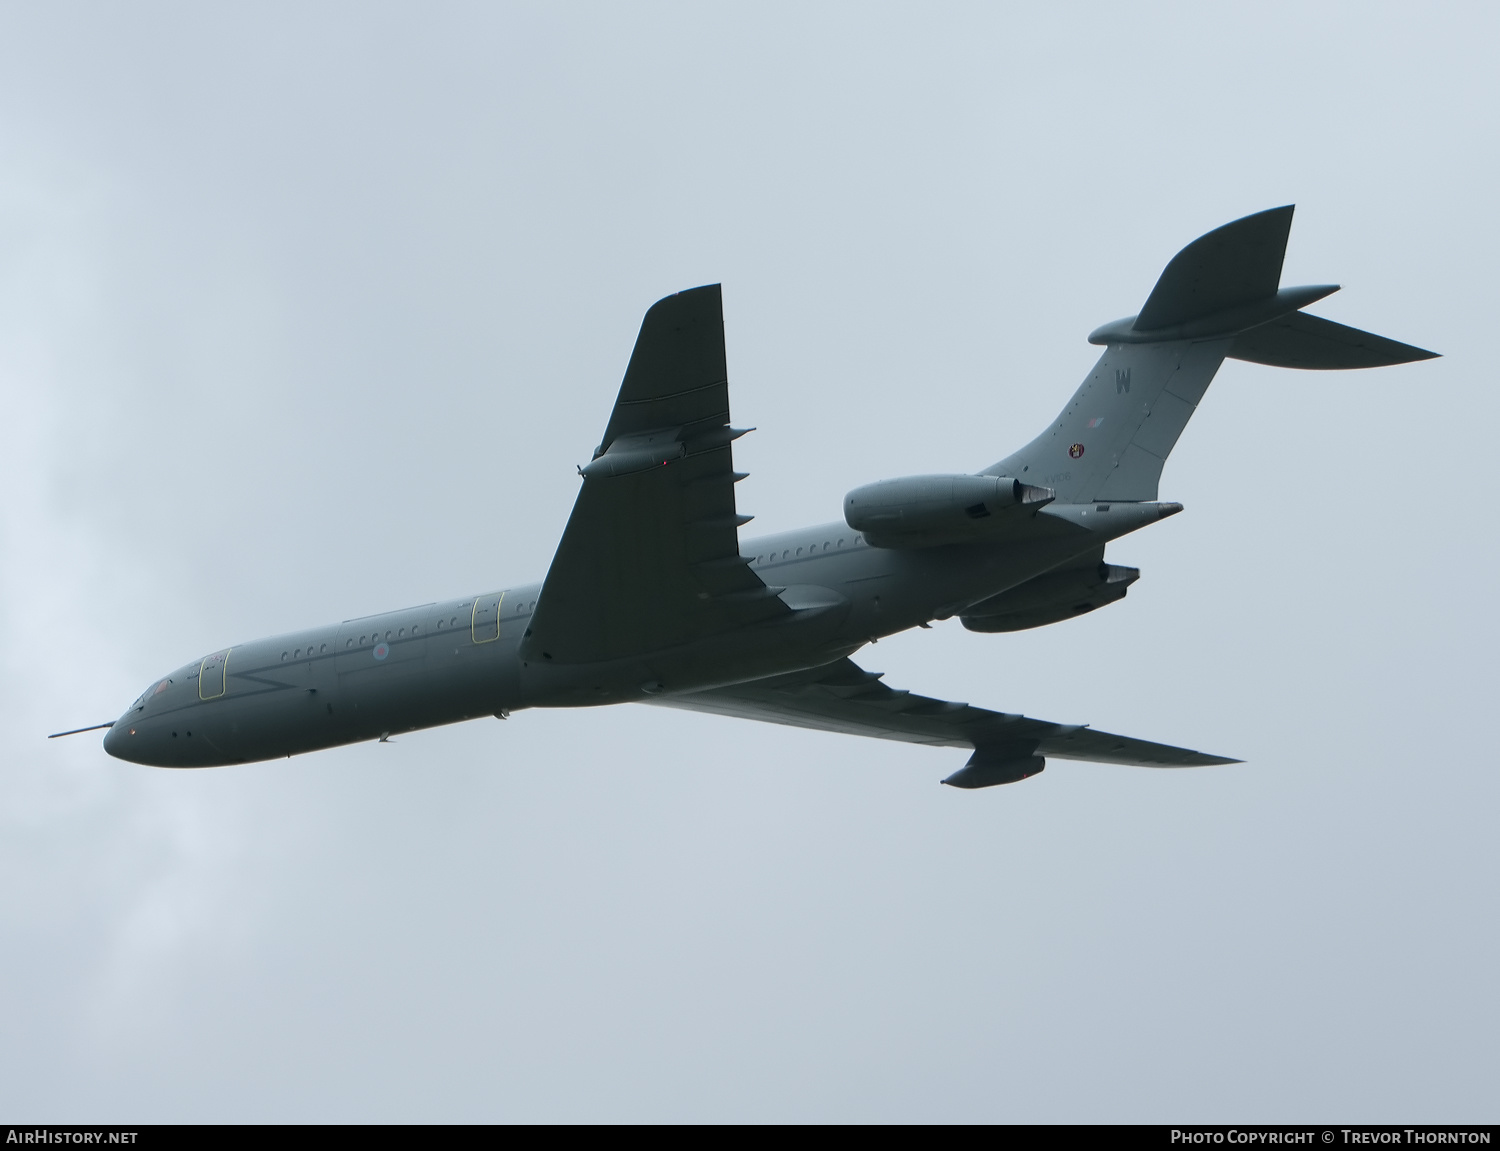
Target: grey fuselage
{"points": [[652, 581], [460, 659]]}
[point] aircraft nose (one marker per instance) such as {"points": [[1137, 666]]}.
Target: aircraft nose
{"points": [[119, 743]]}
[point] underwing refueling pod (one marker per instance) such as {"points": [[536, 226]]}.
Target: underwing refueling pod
{"points": [[653, 596]]}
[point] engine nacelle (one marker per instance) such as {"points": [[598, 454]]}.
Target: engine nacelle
{"points": [[1051, 598], [925, 511]]}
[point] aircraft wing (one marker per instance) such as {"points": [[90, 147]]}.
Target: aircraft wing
{"points": [[650, 558], [843, 697]]}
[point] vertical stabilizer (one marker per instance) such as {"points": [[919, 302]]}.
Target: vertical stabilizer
{"points": [[1112, 439], [1230, 267], [1219, 296]]}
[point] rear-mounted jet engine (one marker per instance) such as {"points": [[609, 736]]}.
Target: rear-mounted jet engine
{"points": [[926, 511]]}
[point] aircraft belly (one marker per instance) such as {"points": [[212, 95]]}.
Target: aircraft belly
{"points": [[892, 589], [465, 680], [810, 637], [268, 724], [907, 588]]}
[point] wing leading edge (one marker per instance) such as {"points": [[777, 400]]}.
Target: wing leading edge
{"points": [[843, 697]]}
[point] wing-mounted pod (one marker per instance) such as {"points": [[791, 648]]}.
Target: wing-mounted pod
{"points": [[635, 453], [628, 454], [927, 511], [991, 767]]}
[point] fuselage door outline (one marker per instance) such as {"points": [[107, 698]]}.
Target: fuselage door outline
{"points": [[213, 673], [484, 627]]}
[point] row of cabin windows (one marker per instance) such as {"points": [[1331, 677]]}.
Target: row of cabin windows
{"points": [[452, 621], [322, 647], [374, 637], [789, 553]]}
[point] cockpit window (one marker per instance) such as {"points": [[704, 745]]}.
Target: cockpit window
{"points": [[154, 690]]}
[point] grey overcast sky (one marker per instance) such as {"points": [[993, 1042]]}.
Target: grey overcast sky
{"points": [[309, 310]]}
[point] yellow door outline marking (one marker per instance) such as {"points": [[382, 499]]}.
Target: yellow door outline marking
{"points": [[474, 620], [223, 678]]}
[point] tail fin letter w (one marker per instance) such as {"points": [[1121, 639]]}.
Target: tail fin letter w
{"points": [[1122, 380]]}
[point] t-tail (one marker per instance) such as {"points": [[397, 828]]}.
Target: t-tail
{"points": [[1219, 297]]}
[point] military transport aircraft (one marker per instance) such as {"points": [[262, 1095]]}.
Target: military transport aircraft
{"points": [[653, 597]]}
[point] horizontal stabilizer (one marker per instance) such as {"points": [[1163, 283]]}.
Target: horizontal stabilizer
{"points": [[1311, 342]]}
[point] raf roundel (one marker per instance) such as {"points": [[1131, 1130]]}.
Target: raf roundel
{"points": [[382, 650], [1075, 451]]}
